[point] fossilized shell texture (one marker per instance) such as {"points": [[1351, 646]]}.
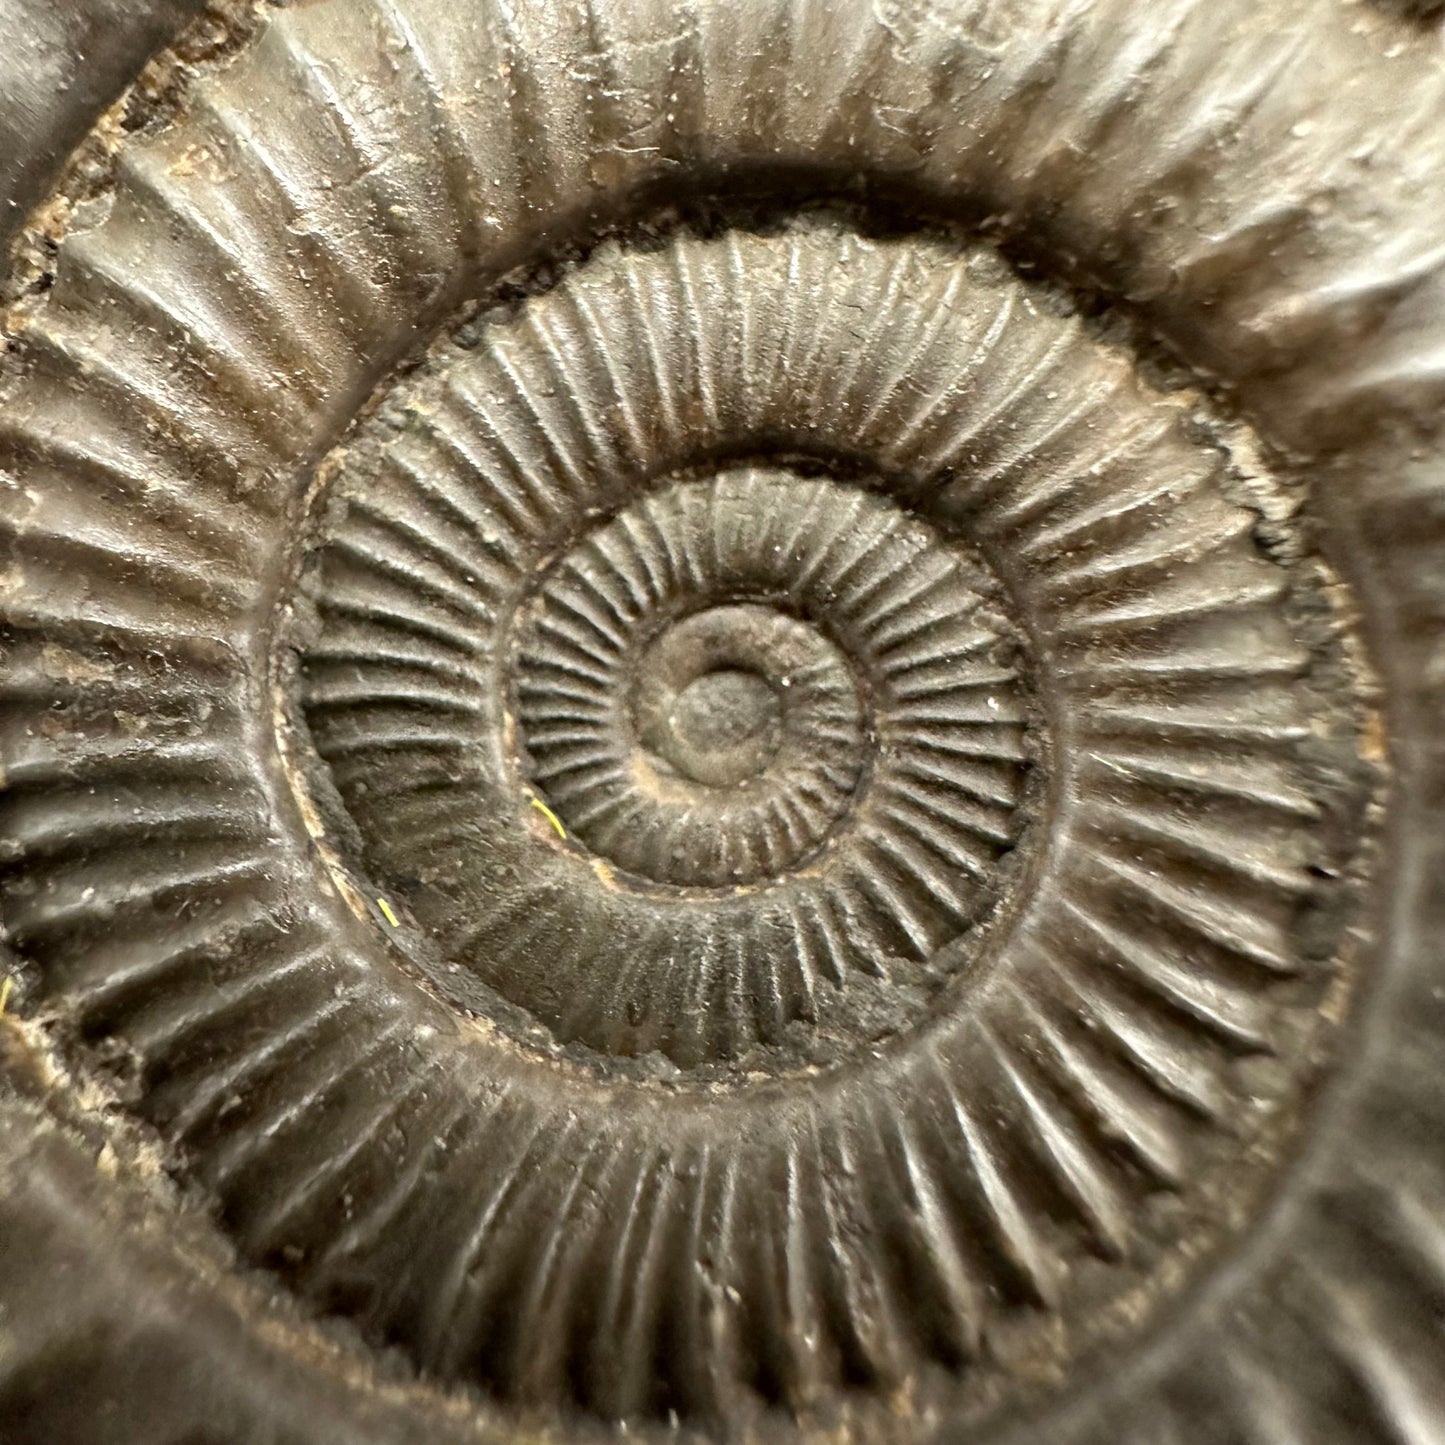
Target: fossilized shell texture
{"points": [[65, 62], [698, 697]]}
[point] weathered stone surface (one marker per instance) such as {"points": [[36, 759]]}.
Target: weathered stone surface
{"points": [[726, 718], [63, 64]]}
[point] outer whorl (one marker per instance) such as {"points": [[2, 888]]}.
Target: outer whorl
{"points": [[695, 700]]}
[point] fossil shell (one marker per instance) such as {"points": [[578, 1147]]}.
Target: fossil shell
{"points": [[65, 64], [714, 745]]}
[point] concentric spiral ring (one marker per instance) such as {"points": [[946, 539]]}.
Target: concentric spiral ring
{"points": [[899, 607], [739, 693], [479, 498], [1047, 1077], [904, 1139]]}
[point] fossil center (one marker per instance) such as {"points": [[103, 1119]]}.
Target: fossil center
{"points": [[711, 707], [723, 727]]}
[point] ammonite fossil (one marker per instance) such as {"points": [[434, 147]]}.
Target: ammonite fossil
{"points": [[722, 722]]}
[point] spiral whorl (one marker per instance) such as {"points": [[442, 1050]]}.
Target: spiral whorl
{"points": [[710, 750]]}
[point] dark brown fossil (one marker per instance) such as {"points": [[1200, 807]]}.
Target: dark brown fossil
{"points": [[724, 720]]}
